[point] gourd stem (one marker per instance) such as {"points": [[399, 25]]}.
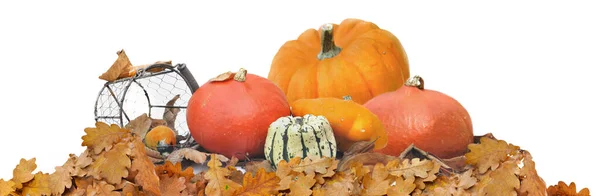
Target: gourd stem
{"points": [[240, 76], [328, 47], [416, 81]]}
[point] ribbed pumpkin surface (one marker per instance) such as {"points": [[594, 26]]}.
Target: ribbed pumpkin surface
{"points": [[289, 137]]}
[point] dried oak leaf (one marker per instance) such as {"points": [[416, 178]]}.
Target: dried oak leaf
{"points": [[456, 184], [563, 190], [402, 187], [222, 77], [23, 172], [377, 183], [339, 184], [170, 113], [312, 165], [415, 167], [112, 165], [175, 170], [171, 185], [60, 179], [140, 125], [489, 153], [130, 189], [366, 158], [531, 183], [286, 173], [192, 155], [6, 187], [103, 136], [253, 166], [81, 162], [101, 188], [263, 183], [302, 185], [218, 181], [502, 181], [40, 185], [120, 66], [144, 169]]}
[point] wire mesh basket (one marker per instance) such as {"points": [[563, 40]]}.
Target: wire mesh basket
{"points": [[123, 100]]}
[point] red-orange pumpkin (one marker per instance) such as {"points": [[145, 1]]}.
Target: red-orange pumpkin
{"points": [[431, 120], [230, 115]]}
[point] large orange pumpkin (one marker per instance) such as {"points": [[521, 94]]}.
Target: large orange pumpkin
{"points": [[429, 119], [354, 58], [230, 115]]}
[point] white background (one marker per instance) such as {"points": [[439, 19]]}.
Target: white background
{"points": [[525, 71]]}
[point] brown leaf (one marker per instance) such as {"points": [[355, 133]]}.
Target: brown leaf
{"points": [[121, 65], [502, 181], [6, 187], [402, 187], [75, 191], [175, 170], [103, 136], [369, 158], [531, 183], [101, 188], [359, 147], [236, 175], [263, 183], [145, 174], [222, 77], [414, 167], [140, 125], [312, 165], [301, 185], [60, 179], [130, 189], [253, 166], [157, 122], [192, 155], [38, 186], [561, 189], [339, 184], [171, 185], [489, 153], [23, 172], [170, 113], [376, 183], [81, 162], [218, 183], [84, 182], [112, 165]]}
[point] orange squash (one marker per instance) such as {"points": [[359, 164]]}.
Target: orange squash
{"points": [[351, 122], [354, 58], [231, 114], [429, 119]]}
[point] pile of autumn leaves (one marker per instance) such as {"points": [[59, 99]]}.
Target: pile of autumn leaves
{"points": [[115, 163]]}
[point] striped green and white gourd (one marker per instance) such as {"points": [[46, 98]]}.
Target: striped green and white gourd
{"points": [[307, 135]]}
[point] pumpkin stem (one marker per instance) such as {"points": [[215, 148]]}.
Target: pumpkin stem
{"points": [[416, 81], [328, 47], [240, 76]]}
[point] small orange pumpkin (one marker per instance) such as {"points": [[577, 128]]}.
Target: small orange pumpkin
{"points": [[354, 58], [351, 122]]}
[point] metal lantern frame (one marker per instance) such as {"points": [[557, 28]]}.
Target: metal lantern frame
{"points": [[180, 69]]}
